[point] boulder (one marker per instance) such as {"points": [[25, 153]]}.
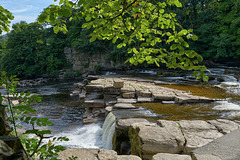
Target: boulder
{"points": [[128, 157], [121, 142], [148, 139], [124, 124], [105, 154], [11, 148], [118, 84], [94, 88], [94, 95], [224, 126], [198, 133], [167, 156]]}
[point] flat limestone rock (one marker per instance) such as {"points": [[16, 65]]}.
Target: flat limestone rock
{"points": [[105, 154], [124, 124], [144, 99], [205, 157], [125, 100], [198, 133], [128, 95], [97, 103], [224, 126], [82, 154], [149, 138], [94, 88], [128, 157], [163, 96], [124, 106], [167, 156]]}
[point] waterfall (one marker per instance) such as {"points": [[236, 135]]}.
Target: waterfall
{"points": [[108, 130]]}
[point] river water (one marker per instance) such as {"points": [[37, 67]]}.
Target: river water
{"points": [[66, 112]]}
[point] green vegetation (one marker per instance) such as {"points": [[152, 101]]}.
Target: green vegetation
{"points": [[34, 147], [148, 29], [33, 51], [5, 17]]}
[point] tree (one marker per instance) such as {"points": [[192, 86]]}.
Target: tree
{"points": [[147, 27], [5, 17], [32, 48]]}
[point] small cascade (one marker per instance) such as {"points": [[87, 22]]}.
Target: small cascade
{"points": [[108, 130]]}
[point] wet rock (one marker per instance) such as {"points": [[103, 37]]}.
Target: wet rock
{"points": [[94, 95], [224, 126], [192, 99], [198, 133], [94, 88], [162, 83], [92, 77], [121, 137], [75, 93], [167, 156], [78, 86], [168, 102], [82, 95], [163, 96], [124, 106], [148, 139], [97, 103]]}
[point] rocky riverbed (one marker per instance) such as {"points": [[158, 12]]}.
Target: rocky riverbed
{"points": [[155, 139]]}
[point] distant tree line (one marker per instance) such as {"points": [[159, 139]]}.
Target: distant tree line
{"points": [[33, 50]]}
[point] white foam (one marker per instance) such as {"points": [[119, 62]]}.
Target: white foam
{"points": [[224, 105], [86, 136]]}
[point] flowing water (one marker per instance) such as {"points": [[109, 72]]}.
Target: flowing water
{"points": [[66, 112]]}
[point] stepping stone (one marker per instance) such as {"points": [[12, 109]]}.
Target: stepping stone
{"points": [[124, 105], [124, 100], [97, 103], [168, 102], [145, 99]]}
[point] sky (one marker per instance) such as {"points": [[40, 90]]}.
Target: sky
{"points": [[25, 10]]}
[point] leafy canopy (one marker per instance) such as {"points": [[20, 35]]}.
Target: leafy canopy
{"points": [[5, 17], [147, 27]]}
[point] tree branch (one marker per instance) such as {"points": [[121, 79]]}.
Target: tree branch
{"points": [[124, 9]]}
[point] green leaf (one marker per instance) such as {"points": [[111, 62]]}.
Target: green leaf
{"points": [[88, 18], [92, 39], [194, 37]]}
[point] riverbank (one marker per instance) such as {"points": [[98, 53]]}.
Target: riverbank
{"points": [[141, 136]]}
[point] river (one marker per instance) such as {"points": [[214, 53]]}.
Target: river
{"points": [[66, 112]]}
